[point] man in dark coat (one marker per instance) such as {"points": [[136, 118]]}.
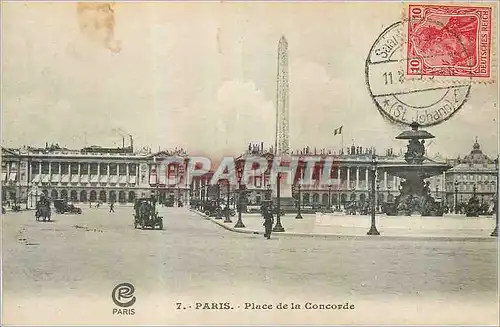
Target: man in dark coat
{"points": [[268, 221]]}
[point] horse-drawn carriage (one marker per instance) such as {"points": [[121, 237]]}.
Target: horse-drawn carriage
{"points": [[146, 215]]}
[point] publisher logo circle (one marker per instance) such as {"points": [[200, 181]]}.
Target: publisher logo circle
{"points": [[123, 295]]}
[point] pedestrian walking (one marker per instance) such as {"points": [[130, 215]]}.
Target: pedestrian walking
{"points": [[268, 221], [112, 207]]}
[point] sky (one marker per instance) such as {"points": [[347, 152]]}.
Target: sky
{"points": [[202, 76]]}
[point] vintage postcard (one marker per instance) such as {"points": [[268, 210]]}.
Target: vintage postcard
{"points": [[249, 163]]}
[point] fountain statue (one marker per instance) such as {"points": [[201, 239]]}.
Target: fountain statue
{"points": [[415, 194]]}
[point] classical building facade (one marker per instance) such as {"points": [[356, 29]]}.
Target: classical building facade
{"points": [[122, 175], [91, 174], [476, 173], [351, 171]]}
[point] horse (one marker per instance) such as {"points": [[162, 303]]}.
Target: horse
{"points": [[43, 212]]}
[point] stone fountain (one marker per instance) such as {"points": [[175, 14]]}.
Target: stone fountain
{"points": [[415, 194]]}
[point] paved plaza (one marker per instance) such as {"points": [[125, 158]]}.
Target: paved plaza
{"points": [[64, 271]]}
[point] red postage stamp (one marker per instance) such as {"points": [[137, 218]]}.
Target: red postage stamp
{"points": [[449, 41]]}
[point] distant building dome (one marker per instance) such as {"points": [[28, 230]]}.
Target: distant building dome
{"points": [[476, 156]]}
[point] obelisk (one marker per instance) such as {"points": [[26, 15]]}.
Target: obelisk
{"points": [[282, 100], [282, 147]]}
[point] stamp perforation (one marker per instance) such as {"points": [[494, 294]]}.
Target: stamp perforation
{"points": [[453, 79]]}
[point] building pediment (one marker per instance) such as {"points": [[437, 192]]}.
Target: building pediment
{"points": [[168, 154], [159, 155]]}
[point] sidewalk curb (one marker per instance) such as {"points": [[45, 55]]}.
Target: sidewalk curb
{"points": [[225, 226], [354, 237]]}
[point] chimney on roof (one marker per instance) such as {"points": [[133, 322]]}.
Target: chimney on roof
{"points": [[131, 143], [262, 146], [123, 142]]}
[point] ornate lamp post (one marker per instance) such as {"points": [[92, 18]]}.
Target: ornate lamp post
{"points": [[299, 201], [495, 231], [218, 214], [202, 195], [157, 185], [373, 228], [437, 191], [278, 227], [28, 179], [329, 196], [239, 223], [227, 216], [456, 197]]}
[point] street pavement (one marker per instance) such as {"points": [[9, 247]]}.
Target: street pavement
{"points": [[63, 272]]}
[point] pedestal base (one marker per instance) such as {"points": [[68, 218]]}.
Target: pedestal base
{"points": [[278, 228], [373, 231]]}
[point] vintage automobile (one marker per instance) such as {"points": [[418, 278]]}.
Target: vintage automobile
{"points": [[195, 204], [169, 202], [63, 206], [211, 209], [146, 215]]}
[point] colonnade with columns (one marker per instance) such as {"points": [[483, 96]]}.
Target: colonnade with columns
{"points": [[344, 179], [85, 172]]}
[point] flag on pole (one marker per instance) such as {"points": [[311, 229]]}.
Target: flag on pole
{"points": [[338, 130]]}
